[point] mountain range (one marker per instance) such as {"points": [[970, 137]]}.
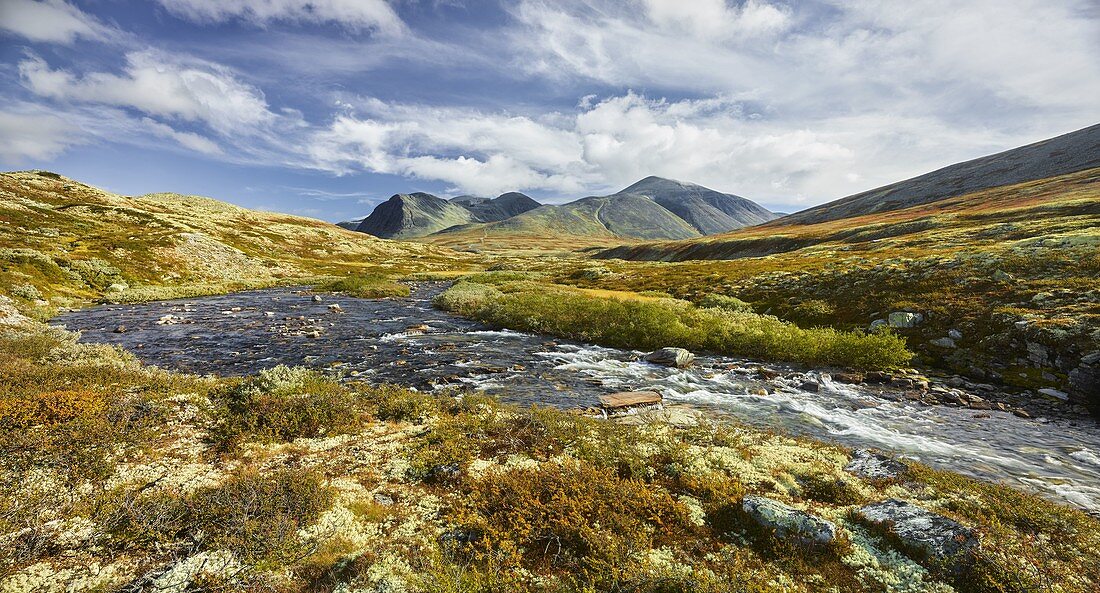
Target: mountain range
{"points": [[651, 209]]}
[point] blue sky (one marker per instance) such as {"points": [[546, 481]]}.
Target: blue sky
{"points": [[326, 107]]}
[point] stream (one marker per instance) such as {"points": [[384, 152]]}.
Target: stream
{"points": [[407, 342]]}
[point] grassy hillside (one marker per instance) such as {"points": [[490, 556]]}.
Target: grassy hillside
{"points": [[63, 242], [1013, 269], [405, 216]]}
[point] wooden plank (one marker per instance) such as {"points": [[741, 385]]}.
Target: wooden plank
{"points": [[626, 399]]}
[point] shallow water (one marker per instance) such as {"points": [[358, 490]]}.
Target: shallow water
{"points": [[372, 340]]}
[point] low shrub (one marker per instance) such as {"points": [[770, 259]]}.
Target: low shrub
{"points": [[50, 408], [558, 311], [721, 301], [281, 404], [366, 286]]}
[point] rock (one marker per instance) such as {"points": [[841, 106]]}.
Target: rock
{"points": [[877, 377], [169, 320], [317, 298], [118, 287], [1062, 395], [980, 404], [851, 378], [928, 535], [878, 324], [943, 343], [677, 357], [120, 329], [1002, 276], [767, 373], [314, 334], [423, 327], [868, 464], [905, 319], [954, 334], [788, 522], [1091, 358], [335, 308], [1020, 413], [269, 313], [629, 399], [810, 385]]}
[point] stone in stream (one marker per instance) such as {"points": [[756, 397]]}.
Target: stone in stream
{"points": [[928, 535], [629, 399], [317, 298], [868, 464], [677, 357], [788, 522]]}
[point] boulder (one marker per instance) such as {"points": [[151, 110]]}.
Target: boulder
{"points": [[905, 319], [629, 399], [954, 334], [788, 522], [335, 308], [317, 298], [927, 535], [868, 464], [878, 324], [1054, 393], [677, 357], [943, 342]]}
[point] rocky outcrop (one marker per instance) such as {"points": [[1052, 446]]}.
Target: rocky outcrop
{"points": [[676, 357], [871, 465], [629, 399], [928, 536], [788, 522]]}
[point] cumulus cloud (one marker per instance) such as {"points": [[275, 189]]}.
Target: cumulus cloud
{"points": [[52, 21], [159, 85], [376, 15], [34, 136]]}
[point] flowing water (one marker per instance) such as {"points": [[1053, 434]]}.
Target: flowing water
{"points": [[407, 342]]}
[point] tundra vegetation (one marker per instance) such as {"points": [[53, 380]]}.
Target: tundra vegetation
{"points": [[116, 474], [119, 476]]}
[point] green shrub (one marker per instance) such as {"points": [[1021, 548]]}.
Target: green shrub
{"points": [[558, 311], [366, 286], [280, 405], [721, 301]]}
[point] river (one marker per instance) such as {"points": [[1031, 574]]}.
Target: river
{"points": [[407, 342]]}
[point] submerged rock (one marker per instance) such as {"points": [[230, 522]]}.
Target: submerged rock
{"points": [[928, 535], [677, 357], [868, 464], [787, 521]]}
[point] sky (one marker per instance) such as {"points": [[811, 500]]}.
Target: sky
{"points": [[326, 107]]}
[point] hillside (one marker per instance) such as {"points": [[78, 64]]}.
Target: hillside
{"points": [[1009, 271], [405, 216], [62, 241], [1067, 153], [709, 211]]}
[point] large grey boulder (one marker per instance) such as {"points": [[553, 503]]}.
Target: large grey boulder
{"points": [[788, 522], [871, 465], [928, 535], [905, 319], [677, 357]]}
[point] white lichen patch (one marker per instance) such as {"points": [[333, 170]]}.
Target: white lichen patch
{"points": [[45, 577], [218, 563]]}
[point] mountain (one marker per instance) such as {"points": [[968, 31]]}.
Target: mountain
{"points": [[503, 206], [707, 210], [1067, 153], [588, 222], [651, 209], [405, 216]]}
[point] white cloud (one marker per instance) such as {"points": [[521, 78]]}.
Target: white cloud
{"points": [[186, 139], [376, 15], [715, 19], [34, 136], [53, 21], [159, 85]]}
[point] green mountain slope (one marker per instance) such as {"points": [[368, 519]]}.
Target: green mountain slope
{"points": [[707, 210], [405, 216]]}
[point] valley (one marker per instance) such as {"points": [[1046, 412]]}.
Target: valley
{"points": [[429, 413]]}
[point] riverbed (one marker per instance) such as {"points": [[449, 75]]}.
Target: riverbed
{"points": [[409, 343]]}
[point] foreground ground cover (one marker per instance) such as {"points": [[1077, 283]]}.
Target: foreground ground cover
{"points": [[117, 474]]}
